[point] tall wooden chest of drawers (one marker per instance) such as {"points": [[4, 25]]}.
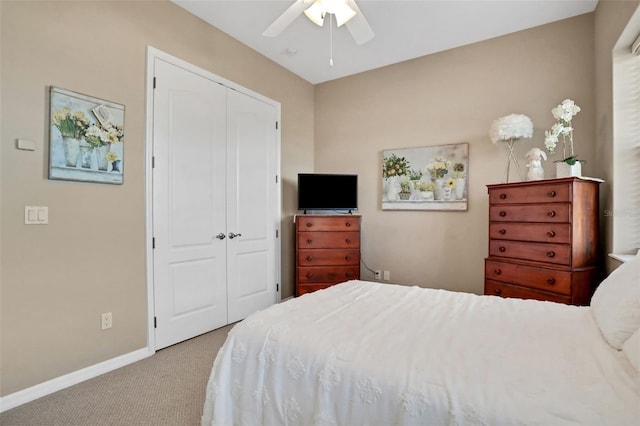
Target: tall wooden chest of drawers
{"points": [[327, 251], [543, 240]]}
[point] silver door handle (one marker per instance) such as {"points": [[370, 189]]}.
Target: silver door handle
{"points": [[221, 236], [232, 235]]}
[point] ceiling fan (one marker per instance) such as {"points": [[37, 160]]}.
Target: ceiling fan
{"points": [[345, 12]]}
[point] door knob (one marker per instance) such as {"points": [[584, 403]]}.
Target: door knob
{"points": [[232, 235], [221, 236]]}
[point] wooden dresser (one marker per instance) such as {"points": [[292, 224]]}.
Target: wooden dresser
{"points": [[327, 251], [543, 240]]}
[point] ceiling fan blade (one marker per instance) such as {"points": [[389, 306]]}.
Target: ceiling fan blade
{"points": [[284, 20], [358, 25]]}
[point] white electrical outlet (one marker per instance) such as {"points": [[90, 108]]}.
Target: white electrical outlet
{"points": [[107, 320], [377, 274], [386, 275]]}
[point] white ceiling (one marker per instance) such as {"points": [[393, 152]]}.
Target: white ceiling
{"points": [[404, 29]]}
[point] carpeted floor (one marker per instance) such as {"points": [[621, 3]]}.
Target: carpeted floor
{"points": [[167, 388]]}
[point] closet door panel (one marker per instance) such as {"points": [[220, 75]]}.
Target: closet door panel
{"points": [[251, 204], [190, 293]]}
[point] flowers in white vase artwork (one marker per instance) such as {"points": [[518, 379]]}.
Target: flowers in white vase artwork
{"points": [[86, 138], [426, 178]]}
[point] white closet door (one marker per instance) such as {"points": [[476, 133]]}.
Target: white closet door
{"points": [[251, 204], [190, 291]]}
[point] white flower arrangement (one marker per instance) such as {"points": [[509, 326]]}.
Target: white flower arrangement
{"points": [[511, 127], [98, 135], [564, 113], [438, 167]]}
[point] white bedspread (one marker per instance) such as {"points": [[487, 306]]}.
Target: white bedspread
{"points": [[363, 353]]}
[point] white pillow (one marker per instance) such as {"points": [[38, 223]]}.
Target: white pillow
{"points": [[616, 303], [631, 349]]}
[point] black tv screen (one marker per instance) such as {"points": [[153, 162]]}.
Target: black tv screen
{"points": [[317, 191]]}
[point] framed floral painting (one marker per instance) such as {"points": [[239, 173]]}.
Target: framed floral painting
{"points": [[86, 138], [426, 178]]}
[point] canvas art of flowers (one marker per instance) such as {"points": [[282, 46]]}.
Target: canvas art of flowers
{"points": [[562, 130], [433, 177], [83, 130]]}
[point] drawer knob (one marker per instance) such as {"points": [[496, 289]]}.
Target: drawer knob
{"points": [[551, 253], [309, 241], [503, 213], [309, 224], [551, 281], [552, 213], [348, 224], [348, 240], [309, 258], [551, 234], [309, 275], [497, 291], [347, 257], [497, 271], [503, 196], [502, 231], [502, 249], [552, 194], [348, 274]]}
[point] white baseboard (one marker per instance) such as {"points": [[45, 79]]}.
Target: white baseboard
{"points": [[38, 391]]}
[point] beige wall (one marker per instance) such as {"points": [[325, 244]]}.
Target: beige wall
{"points": [[611, 18], [446, 98], [56, 280]]}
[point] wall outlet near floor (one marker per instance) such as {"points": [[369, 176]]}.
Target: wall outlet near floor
{"points": [[107, 320], [386, 275], [377, 274]]}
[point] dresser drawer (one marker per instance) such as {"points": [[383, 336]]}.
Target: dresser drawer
{"points": [[495, 288], [537, 232], [322, 257], [324, 223], [327, 274], [556, 213], [307, 240], [529, 276], [531, 194], [539, 252], [309, 288]]}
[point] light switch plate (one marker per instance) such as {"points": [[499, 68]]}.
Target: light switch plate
{"points": [[36, 215]]}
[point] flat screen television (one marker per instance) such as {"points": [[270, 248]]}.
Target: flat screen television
{"points": [[318, 191]]}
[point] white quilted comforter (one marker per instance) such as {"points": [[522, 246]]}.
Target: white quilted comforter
{"points": [[363, 353]]}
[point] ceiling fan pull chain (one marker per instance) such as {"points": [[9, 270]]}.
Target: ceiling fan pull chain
{"points": [[331, 39]]}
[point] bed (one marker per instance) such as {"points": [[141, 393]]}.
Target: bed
{"points": [[366, 353]]}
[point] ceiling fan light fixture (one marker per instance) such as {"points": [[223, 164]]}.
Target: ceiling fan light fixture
{"points": [[316, 13], [339, 8]]}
